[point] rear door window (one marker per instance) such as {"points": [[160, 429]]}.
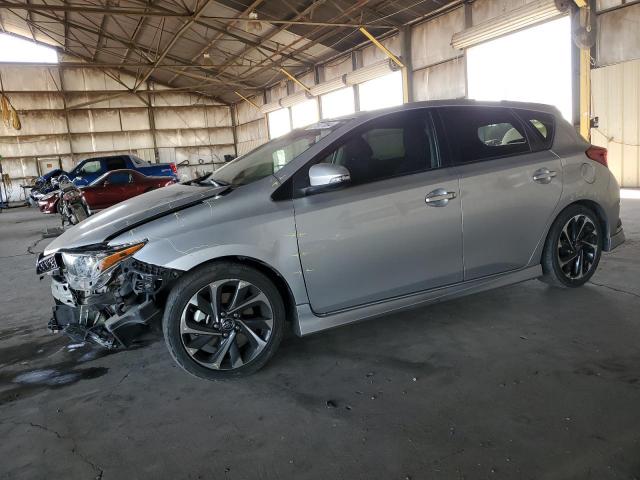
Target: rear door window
{"points": [[483, 133]]}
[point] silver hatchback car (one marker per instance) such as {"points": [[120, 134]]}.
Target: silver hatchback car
{"points": [[341, 221]]}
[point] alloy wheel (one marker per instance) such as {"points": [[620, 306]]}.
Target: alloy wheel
{"points": [[578, 247], [226, 324]]}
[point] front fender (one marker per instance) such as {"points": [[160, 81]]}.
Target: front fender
{"points": [[202, 233]]}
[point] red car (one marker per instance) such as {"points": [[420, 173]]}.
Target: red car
{"points": [[49, 203], [118, 185]]}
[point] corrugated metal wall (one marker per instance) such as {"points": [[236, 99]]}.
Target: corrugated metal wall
{"points": [[615, 90], [616, 102], [194, 128], [188, 127], [438, 69]]}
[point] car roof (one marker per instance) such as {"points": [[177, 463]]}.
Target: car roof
{"points": [[105, 157], [457, 102]]}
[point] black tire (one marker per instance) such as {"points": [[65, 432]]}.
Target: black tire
{"points": [[194, 282], [553, 272]]}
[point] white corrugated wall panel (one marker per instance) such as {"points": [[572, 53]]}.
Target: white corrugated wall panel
{"points": [[37, 101], [37, 123], [446, 80], [616, 102], [30, 78], [32, 146], [619, 36], [431, 41], [488, 9], [337, 68], [134, 119], [248, 113], [373, 54]]}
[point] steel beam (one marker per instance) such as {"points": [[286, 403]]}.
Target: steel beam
{"points": [[212, 43]]}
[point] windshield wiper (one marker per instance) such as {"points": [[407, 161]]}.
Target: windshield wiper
{"points": [[210, 181], [217, 183]]}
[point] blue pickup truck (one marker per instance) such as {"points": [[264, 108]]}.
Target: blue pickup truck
{"points": [[88, 170]]}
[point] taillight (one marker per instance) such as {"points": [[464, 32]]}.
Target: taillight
{"points": [[174, 169], [598, 154]]}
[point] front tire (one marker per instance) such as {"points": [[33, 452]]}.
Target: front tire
{"points": [[223, 320], [573, 248]]}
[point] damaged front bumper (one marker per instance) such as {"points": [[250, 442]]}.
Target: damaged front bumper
{"points": [[115, 315]]}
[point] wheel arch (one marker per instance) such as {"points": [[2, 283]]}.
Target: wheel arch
{"points": [[597, 209], [590, 204], [270, 272]]}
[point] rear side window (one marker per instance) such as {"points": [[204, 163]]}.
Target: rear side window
{"points": [[138, 161], [116, 163], [542, 127], [482, 133], [119, 178]]}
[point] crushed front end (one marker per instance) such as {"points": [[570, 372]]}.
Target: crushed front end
{"points": [[103, 295]]}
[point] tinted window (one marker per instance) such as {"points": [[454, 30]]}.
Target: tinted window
{"points": [[118, 178], [479, 133], [115, 163], [393, 145], [543, 126]]}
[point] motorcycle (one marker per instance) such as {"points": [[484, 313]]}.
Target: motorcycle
{"points": [[66, 199], [71, 204]]}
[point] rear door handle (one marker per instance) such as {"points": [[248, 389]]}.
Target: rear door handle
{"points": [[544, 175], [439, 197]]}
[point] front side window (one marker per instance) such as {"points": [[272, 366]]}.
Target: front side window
{"points": [[481, 133], [387, 147]]}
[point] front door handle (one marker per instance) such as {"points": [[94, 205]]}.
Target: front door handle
{"points": [[544, 175], [439, 197]]}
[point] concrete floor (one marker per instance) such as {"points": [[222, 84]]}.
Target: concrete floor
{"points": [[522, 382]]}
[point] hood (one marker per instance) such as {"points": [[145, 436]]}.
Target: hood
{"points": [[53, 173], [131, 213]]}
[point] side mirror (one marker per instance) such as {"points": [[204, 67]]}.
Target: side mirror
{"points": [[328, 175]]}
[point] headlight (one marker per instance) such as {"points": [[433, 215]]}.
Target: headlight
{"points": [[91, 270]]}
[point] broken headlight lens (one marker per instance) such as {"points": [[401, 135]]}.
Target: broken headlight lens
{"points": [[91, 270]]}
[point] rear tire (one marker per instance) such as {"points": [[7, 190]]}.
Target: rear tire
{"points": [[223, 320], [573, 248]]}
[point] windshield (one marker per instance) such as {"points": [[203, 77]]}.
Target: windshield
{"points": [[270, 157]]}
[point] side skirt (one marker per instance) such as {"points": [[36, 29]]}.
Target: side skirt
{"points": [[308, 322]]}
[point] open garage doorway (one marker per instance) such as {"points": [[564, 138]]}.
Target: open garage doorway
{"points": [[532, 65]]}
